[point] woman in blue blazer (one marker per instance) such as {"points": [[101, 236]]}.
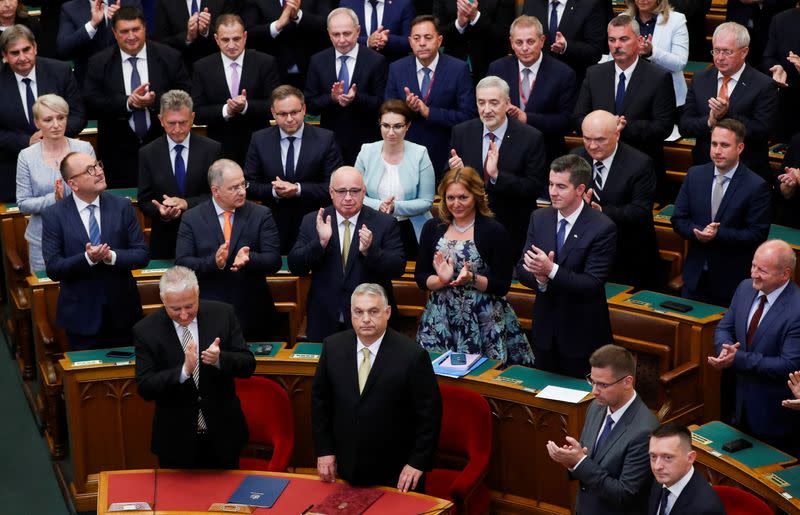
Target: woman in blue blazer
{"points": [[398, 174]]}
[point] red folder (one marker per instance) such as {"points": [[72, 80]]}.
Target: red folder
{"points": [[347, 500]]}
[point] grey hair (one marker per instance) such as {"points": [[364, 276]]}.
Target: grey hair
{"points": [[14, 33], [176, 280], [370, 289], [623, 20], [218, 168], [175, 100], [494, 82], [524, 21], [52, 102], [343, 10], [740, 34]]}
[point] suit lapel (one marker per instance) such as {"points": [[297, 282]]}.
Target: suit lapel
{"points": [[513, 85], [740, 91], [382, 360], [239, 222], [772, 315], [306, 144], [617, 430], [473, 153], [352, 255], [507, 137], [630, 90], [594, 425], [569, 9], [12, 87], [106, 220], [165, 157], [575, 234], [212, 220], [741, 318], [75, 218], [193, 168], [729, 193]]}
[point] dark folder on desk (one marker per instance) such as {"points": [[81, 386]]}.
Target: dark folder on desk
{"points": [[347, 500], [261, 491]]}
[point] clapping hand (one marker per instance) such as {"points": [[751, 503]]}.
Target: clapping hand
{"points": [[324, 228], [98, 253], [794, 386], [241, 259], [443, 267], [210, 356], [725, 358], [364, 239], [464, 276], [455, 161], [237, 104], [708, 233], [538, 263], [387, 205]]}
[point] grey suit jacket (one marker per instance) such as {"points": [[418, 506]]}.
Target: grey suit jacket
{"points": [[617, 479]]}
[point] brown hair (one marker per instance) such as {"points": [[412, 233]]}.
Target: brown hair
{"points": [[286, 91], [472, 181], [397, 107], [735, 126], [618, 359]]}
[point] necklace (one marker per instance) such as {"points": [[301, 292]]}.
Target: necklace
{"points": [[464, 229]]}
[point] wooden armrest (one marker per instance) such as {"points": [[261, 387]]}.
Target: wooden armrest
{"points": [[45, 332], [14, 260], [684, 370]]}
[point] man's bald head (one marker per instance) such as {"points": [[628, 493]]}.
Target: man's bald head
{"points": [[773, 265], [600, 134], [347, 191]]}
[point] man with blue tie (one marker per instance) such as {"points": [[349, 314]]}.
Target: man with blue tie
{"points": [[384, 25]]}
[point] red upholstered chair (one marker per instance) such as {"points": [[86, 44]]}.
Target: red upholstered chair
{"points": [[466, 432], [269, 420], [739, 502]]}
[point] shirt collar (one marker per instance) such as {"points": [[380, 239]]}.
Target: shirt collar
{"points": [[534, 68], [373, 348], [729, 174], [353, 53], [31, 76], [571, 218], [734, 76], [617, 415], [191, 325], [431, 66], [773, 296], [185, 142], [676, 489], [340, 219], [297, 135], [226, 61], [628, 72], [81, 205], [141, 55], [218, 209], [607, 162], [499, 132]]}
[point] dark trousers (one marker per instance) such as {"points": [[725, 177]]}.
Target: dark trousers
{"points": [[553, 361], [202, 457]]}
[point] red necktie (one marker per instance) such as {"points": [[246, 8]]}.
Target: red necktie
{"points": [[751, 329]]}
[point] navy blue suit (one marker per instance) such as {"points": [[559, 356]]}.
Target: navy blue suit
{"points": [[331, 287], [743, 215], [697, 498], [451, 101], [397, 16]]}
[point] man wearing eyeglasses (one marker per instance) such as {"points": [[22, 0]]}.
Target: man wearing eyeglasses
{"points": [[232, 244], [611, 460], [91, 240], [289, 166]]}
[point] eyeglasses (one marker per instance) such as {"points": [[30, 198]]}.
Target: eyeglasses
{"points": [[460, 198], [343, 192], [90, 170], [293, 114], [724, 52], [242, 186], [396, 127], [601, 386]]}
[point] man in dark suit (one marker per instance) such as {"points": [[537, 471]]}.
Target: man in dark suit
{"points": [[91, 241], [756, 16], [568, 255], [731, 89], [639, 92], [232, 245], [231, 90], [186, 26], [574, 28], [385, 27], [723, 210], [24, 77], [678, 488], [375, 404], [782, 62], [173, 172], [187, 356], [298, 183], [610, 460], [759, 340], [510, 155], [123, 89], [543, 91], [347, 97], [435, 86], [84, 28], [344, 245], [624, 188]]}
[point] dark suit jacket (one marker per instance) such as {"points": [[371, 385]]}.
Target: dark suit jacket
{"points": [[15, 131], [397, 16], [156, 179], [451, 100], [783, 38], [85, 289], [617, 478], [551, 102], [104, 90], [762, 368], [357, 123], [743, 215], [258, 76], [74, 43], [577, 292], [331, 287], [627, 198], [394, 422], [697, 498], [522, 172], [754, 102], [199, 237], [159, 360], [171, 18]]}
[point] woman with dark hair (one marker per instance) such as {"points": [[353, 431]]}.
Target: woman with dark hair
{"points": [[13, 12]]}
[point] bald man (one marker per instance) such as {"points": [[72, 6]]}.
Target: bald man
{"points": [[758, 339], [624, 187]]}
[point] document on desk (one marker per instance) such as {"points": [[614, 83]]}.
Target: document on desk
{"points": [[261, 491], [557, 393]]}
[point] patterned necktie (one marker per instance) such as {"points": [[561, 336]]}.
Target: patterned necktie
{"points": [[373, 20], [186, 339], [620, 94], [604, 435], [718, 191], [234, 80], [723, 90], [561, 235], [663, 501], [598, 179], [94, 228], [29, 100], [180, 169], [346, 244], [139, 116], [553, 27], [753, 326], [525, 89], [227, 226], [492, 138], [289, 171], [426, 83], [363, 369]]}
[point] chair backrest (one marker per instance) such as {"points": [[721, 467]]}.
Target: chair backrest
{"points": [[739, 502], [270, 420], [466, 424]]}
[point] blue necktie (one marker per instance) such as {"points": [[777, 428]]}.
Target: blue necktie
{"points": [[553, 28], [94, 229], [289, 172], [604, 435], [180, 169], [139, 116], [344, 74], [620, 94], [373, 20], [561, 234], [426, 82], [29, 99], [662, 503], [194, 6]]}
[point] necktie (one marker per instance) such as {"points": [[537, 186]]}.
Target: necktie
{"points": [[227, 228], [716, 195], [553, 27], [186, 339], [604, 435], [491, 137], [561, 234], [663, 502], [139, 117], [289, 171], [363, 369], [194, 7], [346, 244], [525, 88], [426, 82], [94, 228], [234, 80], [344, 74], [373, 20], [598, 179], [753, 326], [29, 100], [180, 169], [723, 90], [620, 94]]}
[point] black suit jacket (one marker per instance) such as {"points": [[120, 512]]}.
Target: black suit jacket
{"points": [[159, 360], [331, 287], [394, 422], [357, 123], [104, 90], [697, 498], [171, 18], [210, 91], [199, 237], [157, 178], [783, 38]]}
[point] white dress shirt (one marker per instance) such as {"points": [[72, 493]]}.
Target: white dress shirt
{"points": [[373, 350], [615, 416], [731, 83], [184, 153], [368, 16], [628, 73], [83, 212], [676, 489], [351, 61], [144, 77]]}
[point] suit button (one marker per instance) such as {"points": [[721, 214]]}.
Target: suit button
{"points": [[199, 398]]}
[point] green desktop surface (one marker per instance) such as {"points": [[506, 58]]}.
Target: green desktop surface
{"points": [[613, 289], [665, 213], [787, 234], [284, 264], [314, 349], [716, 434], [483, 367], [276, 346], [653, 300], [100, 355], [538, 379], [696, 66], [10, 206], [159, 264], [788, 479], [125, 192]]}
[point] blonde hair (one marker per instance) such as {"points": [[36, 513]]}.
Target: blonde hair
{"points": [[662, 7], [50, 101]]}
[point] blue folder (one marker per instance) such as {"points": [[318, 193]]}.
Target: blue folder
{"points": [[261, 491]]}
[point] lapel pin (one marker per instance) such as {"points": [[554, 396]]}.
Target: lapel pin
{"points": [[575, 236]]}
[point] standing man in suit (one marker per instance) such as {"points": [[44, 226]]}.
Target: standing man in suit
{"points": [[232, 245], [731, 89], [758, 339], [347, 97], [678, 489], [384, 26], [232, 89], [91, 241], [124, 87], [376, 409], [187, 356], [723, 210], [343, 246], [756, 16], [24, 77], [610, 460], [568, 256], [509, 153], [543, 91], [173, 172], [624, 187], [782, 62], [298, 183], [186, 25], [435, 86]]}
